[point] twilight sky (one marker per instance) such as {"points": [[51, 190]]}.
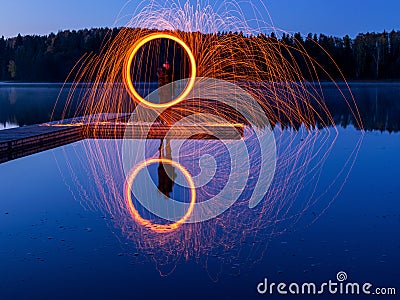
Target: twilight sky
{"points": [[336, 17]]}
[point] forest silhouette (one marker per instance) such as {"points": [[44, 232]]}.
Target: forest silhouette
{"points": [[50, 58]]}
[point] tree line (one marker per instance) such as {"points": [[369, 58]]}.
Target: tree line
{"points": [[50, 58]]}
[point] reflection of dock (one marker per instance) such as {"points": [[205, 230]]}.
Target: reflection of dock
{"points": [[27, 140]]}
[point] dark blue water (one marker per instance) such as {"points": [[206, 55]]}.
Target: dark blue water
{"points": [[58, 242]]}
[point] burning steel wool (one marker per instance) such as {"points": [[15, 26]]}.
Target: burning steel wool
{"points": [[236, 137]]}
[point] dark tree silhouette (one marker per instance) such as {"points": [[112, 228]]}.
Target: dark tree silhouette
{"points": [[50, 58]]}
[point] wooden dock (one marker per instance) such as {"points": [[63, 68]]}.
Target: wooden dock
{"points": [[23, 141], [27, 140]]}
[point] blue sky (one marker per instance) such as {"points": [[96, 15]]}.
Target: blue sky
{"points": [[336, 17]]}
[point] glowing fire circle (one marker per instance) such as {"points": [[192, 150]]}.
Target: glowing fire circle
{"points": [[128, 64], [160, 228]]}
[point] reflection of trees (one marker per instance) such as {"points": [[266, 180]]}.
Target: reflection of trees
{"points": [[379, 106], [27, 105]]}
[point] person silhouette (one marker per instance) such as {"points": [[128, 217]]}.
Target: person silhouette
{"points": [[165, 77], [165, 90]]}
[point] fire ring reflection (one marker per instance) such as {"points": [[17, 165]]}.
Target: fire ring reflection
{"points": [[160, 228]]}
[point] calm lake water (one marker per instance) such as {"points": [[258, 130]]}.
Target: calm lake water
{"points": [[58, 239]]}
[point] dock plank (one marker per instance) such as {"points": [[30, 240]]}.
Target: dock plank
{"points": [[22, 141]]}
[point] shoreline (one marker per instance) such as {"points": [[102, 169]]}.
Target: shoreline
{"points": [[154, 83]]}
